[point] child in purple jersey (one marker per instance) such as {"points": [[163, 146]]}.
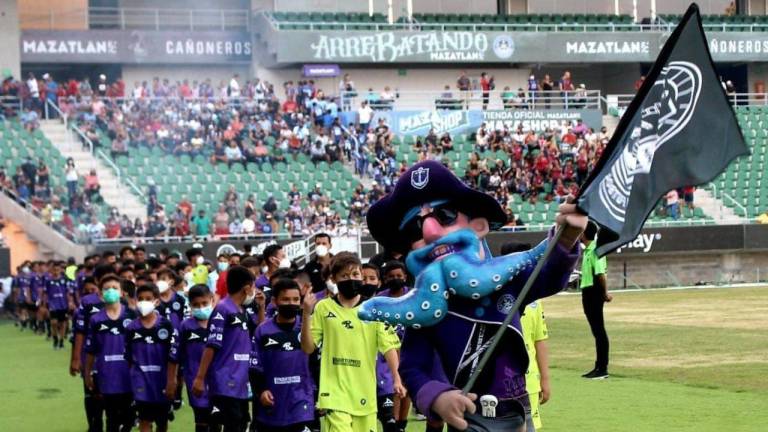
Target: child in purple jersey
{"points": [[105, 348], [172, 304], [385, 393], [36, 283], [187, 351], [256, 311], [56, 299], [90, 304], [394, 276], [148, 343], [21, 284], [226, 358], [282, 381]]}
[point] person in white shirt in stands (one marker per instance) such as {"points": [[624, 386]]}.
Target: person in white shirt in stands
{"points": [[365, 114], [234, 87], [34, 90]]}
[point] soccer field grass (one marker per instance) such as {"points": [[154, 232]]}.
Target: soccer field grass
{"points": [[688, 360]]}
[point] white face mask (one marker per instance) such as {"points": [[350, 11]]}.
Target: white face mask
{"points": [[249, 298], [321, 250], [200, 260], [284, 263], [264, 270], [163, 286], [332, 287], [145, 307]]}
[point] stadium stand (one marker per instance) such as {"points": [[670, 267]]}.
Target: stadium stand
{"points": [[742, 181]]}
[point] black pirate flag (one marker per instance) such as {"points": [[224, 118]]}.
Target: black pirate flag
{"points": [[679, 130]]}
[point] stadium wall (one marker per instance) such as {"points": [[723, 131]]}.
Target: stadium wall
{"points": [[191, 72], [10, 61], [380, 6]]}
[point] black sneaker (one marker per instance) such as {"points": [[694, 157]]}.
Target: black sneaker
{"points": [[588, 374], [597, 374]]}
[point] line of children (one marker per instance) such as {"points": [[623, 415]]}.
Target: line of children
{"points": [[134, 344]]}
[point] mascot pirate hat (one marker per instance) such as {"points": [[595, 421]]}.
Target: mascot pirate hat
{"points": [[423, 183]]}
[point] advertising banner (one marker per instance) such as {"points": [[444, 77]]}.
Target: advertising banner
{"points": [[501, 47], [134, 46], [321, 70], [463, 121]]}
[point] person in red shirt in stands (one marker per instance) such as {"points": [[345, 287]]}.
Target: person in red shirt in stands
{"points": [[112, 229], [570, 137], [73, 88], [517, 152], [582, 165], [568, 170], [185, 91], [486, 84], [185, 206], [542, 164], [289, 106]]}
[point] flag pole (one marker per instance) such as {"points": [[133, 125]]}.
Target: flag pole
{"points": [[515, 307]]}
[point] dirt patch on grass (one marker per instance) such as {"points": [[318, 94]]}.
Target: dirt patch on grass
{"points": [[737, 309], [691, 360]]}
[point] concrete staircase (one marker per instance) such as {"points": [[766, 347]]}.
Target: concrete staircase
{"points": [[715, 208], [115, 193]]}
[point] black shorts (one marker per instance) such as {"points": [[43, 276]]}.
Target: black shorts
{"points": [[32, 307], [202, 415], [386, 406], [153, 412], [227, 411], [58, 315]]}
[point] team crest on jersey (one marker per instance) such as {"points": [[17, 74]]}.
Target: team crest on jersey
{"points": [[504, 305], [162, 334], [126, 322], [176, 306]]}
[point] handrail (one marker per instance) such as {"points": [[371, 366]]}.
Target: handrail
{"points": [[99, 17], [29, 207], [453, 99], [737, 204], [82, 135]]}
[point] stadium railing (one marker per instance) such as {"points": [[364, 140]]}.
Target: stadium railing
{"points": [[494, 23], [139, 19], [473, 99], [99, 154]]}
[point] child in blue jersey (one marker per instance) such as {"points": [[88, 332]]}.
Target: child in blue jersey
{"points": [[105, 348], [148, 343], [283, 383], [187, 351]]}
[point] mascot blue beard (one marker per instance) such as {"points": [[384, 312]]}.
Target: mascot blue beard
{"points": [[451, 266]]}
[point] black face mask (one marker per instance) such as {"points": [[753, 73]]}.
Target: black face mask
{"points": [[349, 288], [288, 311], [368, 290], [394, 285]]}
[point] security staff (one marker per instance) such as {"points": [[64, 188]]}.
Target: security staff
{"points": [[594, 294]]}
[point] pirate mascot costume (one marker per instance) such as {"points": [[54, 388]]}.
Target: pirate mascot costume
{"points": [[462, 295]]}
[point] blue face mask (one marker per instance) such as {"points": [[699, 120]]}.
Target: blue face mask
{"points": [[223, 266], [202, 313], [111, 296]]}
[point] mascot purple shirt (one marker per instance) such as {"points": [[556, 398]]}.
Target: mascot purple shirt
{"points": [[462, 293]]}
